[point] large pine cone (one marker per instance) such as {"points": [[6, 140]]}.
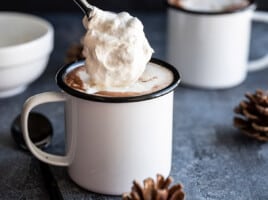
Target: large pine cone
{"points": [[155, 191], [252, 117]]}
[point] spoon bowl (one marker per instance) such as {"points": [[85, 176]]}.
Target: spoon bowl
{"points": [[40, 130]]}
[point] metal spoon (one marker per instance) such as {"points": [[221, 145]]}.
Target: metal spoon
{"points": [[40, 130], [85, 7]]}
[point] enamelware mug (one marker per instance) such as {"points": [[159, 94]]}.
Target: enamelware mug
{"points": [[210, 49], [110, 141]]}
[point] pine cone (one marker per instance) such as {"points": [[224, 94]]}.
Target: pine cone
{"points": [[155, 191], [253, 115], [74, 53]]}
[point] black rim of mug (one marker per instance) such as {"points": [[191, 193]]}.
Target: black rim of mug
{"points": [[251, 4], [69, 67]]}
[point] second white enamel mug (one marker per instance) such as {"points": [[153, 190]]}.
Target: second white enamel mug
{"points": [[210, 49]]}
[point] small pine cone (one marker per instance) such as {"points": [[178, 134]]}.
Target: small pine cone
{"points": [[74, 53], [158, 190], [252, 118]]}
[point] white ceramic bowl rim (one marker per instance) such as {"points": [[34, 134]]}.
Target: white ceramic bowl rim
{"points": [[42, 22], [36, 46]]}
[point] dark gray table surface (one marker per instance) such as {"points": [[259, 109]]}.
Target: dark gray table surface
{"points": [[210, 157]]}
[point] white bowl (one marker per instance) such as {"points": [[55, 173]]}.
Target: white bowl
{"points": [[26, 42]]}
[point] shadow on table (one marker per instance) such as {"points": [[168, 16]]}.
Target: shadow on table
{"points": [[6, 141], [70, 190], [231, 136]]}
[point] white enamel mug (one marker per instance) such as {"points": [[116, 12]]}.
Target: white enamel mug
{"points": [[210, 49], [110, 141]]}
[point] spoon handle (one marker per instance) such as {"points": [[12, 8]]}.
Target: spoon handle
{"points": [[50, 182], [84, 6]]}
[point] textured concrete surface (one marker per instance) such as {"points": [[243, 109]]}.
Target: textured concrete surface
{"points": [[210, 157]]}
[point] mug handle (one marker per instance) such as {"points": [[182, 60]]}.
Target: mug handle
{"points": [[260, 63], [46, 97]]}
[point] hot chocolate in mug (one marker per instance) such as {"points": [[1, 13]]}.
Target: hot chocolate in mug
{"points": [[110, 141], [210, 47]]}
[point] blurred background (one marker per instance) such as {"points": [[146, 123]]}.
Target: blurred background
{"points": [[67, 5]]}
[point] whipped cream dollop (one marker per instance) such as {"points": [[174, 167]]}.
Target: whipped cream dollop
{"points": [[115, 48], [210, 5]]}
